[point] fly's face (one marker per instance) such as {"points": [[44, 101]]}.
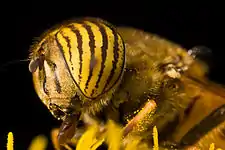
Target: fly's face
{"points": [[76, 68], [85, 57], [51, 78]]}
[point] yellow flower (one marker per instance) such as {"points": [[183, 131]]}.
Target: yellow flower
{"points": [[93, 138], [10, 141], [88, 141], [155, 138], [38, 143]]}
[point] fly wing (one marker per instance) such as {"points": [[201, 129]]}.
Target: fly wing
{"points": [[203, 122]]}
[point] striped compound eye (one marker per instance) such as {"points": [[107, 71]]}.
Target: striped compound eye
{"points": [[94, 53], [90, 50]]}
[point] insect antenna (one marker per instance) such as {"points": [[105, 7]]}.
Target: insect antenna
{"points": [[5, 65]]}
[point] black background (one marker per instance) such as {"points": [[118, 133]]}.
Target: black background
{"points": [[21, 110]]}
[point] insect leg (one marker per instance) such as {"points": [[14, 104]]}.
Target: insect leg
{"points": [[140, 118]]}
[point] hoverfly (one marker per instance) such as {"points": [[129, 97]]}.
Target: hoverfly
{"points": [[87, 70]]}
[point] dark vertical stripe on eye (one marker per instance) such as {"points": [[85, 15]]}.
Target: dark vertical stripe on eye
{"points": [[92, 49], [58, 43], [116, 56], [103, 52], [42, 73], [58, 86], [42, 76], [79, 47], [69, 46]]}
